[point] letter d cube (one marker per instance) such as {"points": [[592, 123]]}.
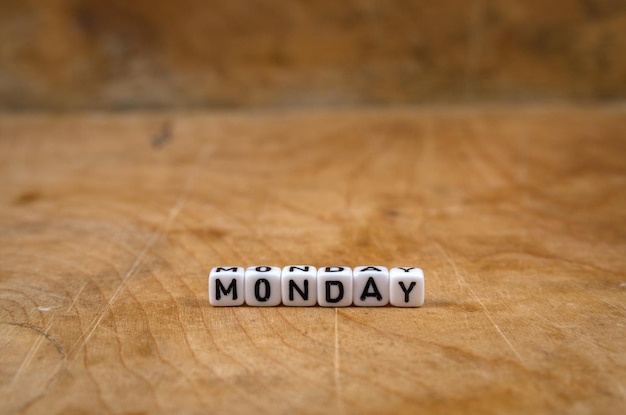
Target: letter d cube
{"points": [[226, 286], [334, 286]]}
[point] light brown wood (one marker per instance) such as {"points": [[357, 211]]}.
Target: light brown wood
{"points": [[109, 225]]}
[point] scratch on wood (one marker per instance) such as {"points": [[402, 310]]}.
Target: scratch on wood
{"points": [[174, 211], [45, 309], [76, 297], [522, 180], [462, 282], [337, 365], [43, 335], [601, 298], [38, 342]]}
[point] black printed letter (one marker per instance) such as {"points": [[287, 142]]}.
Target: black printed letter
{"points": [[339, 297], [304, 294], [219, 288], [406, 292], [371, 283], [257, 290], [370, 269]]}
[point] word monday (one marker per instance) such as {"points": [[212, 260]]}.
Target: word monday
{"points": [[305, 286]]}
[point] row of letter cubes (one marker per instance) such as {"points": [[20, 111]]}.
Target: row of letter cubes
{"points": [[304, 286]]}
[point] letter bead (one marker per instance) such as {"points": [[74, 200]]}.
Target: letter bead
{"points": [[306, 286], [406, 287], [334, 286], [262, 286], [371, 286], [299, 285], [226, 286]]}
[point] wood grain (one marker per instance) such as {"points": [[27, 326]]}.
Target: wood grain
{"points": [[109, 225]]}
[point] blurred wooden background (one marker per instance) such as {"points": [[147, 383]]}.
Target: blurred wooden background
{"points": [[119, 54]]}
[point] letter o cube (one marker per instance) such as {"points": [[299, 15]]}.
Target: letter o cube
{"points": [[226, 286], [262, 286], [334, 286]]}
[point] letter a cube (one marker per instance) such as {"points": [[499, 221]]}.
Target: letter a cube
{"points": [[371, 286]]}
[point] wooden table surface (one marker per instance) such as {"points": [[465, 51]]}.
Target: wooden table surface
{"points": [[110, 223]]}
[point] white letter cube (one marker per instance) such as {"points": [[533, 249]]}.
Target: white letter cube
{"points": [[262, 286], [226, 286], [299, 285], [371, 286], [334, 286], [406, 287]]}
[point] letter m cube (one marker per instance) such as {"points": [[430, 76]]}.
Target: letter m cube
{"points": [[226, 286]]}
